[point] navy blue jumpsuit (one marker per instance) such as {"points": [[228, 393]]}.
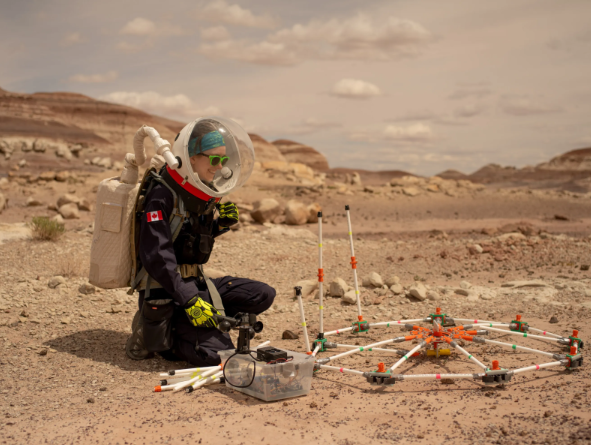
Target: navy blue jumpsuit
{"points": [[160, 256]]}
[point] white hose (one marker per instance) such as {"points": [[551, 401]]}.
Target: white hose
{"points": [[362, 348], [435, 376], [517, 347], [303, 317], [536, 367], [343, 370], [338, 331], [406, 356], [467, 354], [521, 334]]}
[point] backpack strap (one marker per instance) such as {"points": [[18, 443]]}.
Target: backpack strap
{"points": [[216, 299]]}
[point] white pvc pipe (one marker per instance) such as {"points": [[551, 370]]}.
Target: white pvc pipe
{"points": [[521, 334], [396, 322], [545, 332], [316, 349], [471, 320], [536, 367], [476, 325], [179, 372], [435, 376], [303, 317], [522, 348], [208, 380], [343, 370], [355, 268], [338, 331], [394, 351], [320, 277], [182, 385], [361, 348], [406, 356], [467, 354]]}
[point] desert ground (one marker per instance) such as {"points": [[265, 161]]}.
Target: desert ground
{"points": [[65, 377]]}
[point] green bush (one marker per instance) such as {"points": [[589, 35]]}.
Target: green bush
{"points": [[42, 228]]}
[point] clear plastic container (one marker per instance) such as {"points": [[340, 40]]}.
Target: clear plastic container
{"points": [[269, 381]]}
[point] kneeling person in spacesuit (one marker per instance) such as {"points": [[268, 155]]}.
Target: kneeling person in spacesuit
{"points": [[182, 217]]}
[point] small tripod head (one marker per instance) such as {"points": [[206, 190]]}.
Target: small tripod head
{"points": [[246, 325]]}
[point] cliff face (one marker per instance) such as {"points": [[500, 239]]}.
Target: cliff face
{"points": [[265, 151], [303, 154], [75, 118]]}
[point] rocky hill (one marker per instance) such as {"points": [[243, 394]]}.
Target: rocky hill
{"points": [[303, 154], [575, 160], [265, 151]]}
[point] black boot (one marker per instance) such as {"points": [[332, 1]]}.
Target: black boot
{"points": [[135, 348]]}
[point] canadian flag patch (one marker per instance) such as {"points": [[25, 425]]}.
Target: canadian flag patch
{"points": [[154, 216]]}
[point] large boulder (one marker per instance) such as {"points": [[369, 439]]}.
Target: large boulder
{"points": [[63, 152], [338, 287], [265, 210], [302, 154], [419, 291], [67, 199], [296, 213], [373, 280], [349, 297], [69, 211], [313, 210]]}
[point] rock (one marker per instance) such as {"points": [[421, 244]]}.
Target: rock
{"points": [[588, 293], [47, 176], [65, 320], [411, 191], [3, 202], [22, 163], [245, 218], [289, 335], [308, 287], [397, 289], [105, 162], [279, 219], [85, 205], [265, 210], [87, 289], [584, 267], [465, 285], [533, 283], [39, 146], [3, 182], [338, 288], [63, 152], [43, 351], [56, 281], [69, 211], [464, 292], [214, 273], [392, 280], [62, 176], [355, 179], [33, 202], [296, 213], [58, 219], [67, 199], [433, 295], [554, 319], [419, 291], [512, 235], [560, 217], [349, 297], [313, 210], [373, 280], [475, 249], [489, 231]]}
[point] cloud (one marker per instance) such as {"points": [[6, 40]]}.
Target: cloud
{"points": [[523, 105], [142, 27], [468, 91], [72, 39], [469, 110], [179, 105], [312, 125], [109, 76], [416, 115], [215, 33], [356, 38], [219, 11], [417, 132], [355, 89]]}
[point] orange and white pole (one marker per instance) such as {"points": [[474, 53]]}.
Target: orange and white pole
{"points": [[320, 279], [354, 264]]}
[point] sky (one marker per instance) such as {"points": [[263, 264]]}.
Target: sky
{"points": [[415, 85]]}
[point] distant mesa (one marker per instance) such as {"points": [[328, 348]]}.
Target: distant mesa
{"points": [[303, 154], [452, 174], [575, 160], [264, 151]]}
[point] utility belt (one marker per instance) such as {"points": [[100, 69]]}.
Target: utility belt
{"points": [[184, 270]]}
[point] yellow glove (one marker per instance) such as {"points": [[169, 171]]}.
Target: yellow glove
{"points": [[201, 313]]}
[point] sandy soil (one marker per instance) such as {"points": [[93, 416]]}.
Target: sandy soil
{"points": [[65, 377]]}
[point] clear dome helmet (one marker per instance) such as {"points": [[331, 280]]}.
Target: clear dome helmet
{"points": [[234, 173]]}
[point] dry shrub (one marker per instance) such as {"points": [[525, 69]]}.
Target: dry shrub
{"points": [[70, 266], [42, 228]]}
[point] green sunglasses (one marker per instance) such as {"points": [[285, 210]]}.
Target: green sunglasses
{"points": [[216, 159]]}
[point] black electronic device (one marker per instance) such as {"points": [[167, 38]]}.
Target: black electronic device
{"points": [[269, 354], [246, 325]]}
